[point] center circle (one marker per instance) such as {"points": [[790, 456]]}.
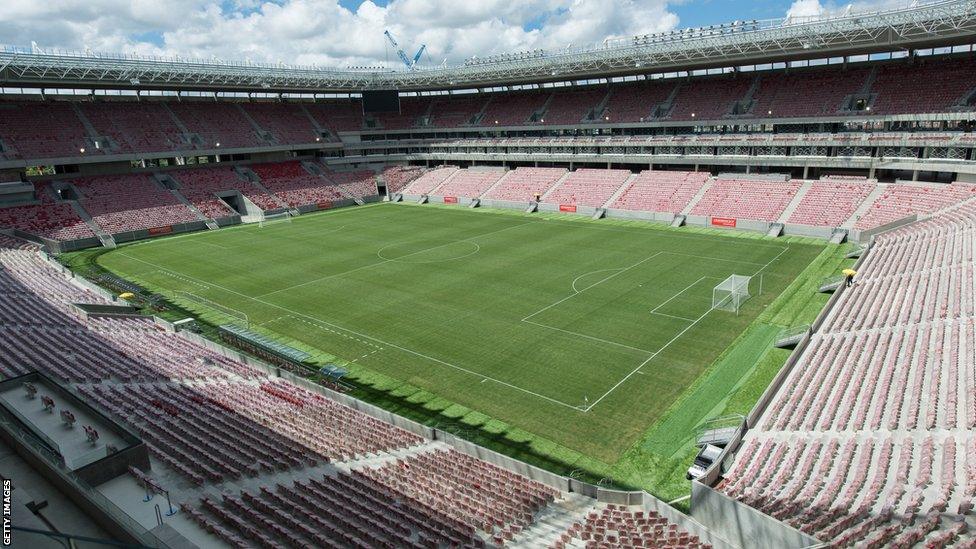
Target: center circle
{"points": [[428, 251]]}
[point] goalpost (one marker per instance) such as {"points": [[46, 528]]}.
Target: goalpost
{"points": [[269, 219], [731, 293]]}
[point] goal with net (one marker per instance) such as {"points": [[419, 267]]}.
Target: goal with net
{"points": [[269, 219], [731, 293]]}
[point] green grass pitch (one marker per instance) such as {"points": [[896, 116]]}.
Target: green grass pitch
{"points": [[580, 332]]}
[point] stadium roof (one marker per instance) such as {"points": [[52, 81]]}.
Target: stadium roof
{"points": [[928, 24]]}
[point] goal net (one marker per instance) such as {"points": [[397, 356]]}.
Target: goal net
{"points": [[269, 219], [731, 293]]}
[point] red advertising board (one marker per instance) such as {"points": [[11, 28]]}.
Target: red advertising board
{"points": [[723, 222], [325, 205], [450, 200], [567, 208], [161, 230]]}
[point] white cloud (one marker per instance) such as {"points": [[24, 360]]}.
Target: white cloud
{"points": [[807, 8], [321, 31]]}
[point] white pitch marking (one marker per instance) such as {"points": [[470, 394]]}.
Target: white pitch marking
{"points": [[365, 336], [385, 261]]}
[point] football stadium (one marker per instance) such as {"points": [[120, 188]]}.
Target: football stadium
{"points": [[706, 287]]}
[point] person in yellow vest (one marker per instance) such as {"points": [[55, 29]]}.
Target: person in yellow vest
{"points": [[849, 277]]}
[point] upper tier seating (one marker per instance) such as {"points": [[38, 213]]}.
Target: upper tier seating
{"points": [[932, 86], [50, 219], [746, 199], [513, 109], [635, 102], [46, 129], [123, 203], [660, 191], [523, 184], [411, 109], [902, 200], [588, 187], [290, 182], [471, 183], [807, 93], [199, 186], [218, 124], [871, 439], [398, 177], [830, 203], [709, 99], [288, 123], [569, 107], [341, 116], [135, 127], [430, 180], [456, 111]]}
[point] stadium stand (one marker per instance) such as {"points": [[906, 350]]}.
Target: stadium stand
{"points": [[257, 451], [217, 124], [41, 130], [398, 177], [200, 186], [808, 93], [625, 526], [930, 86], [902, 200], [430, 180], [353, 184], [471, 183], [570, 107], [130, 202], [636, 102], [870, 439], [588, 187], [337, 116], [287, 123], [660, 191], [457, 111], [830, 203], [48, 218], [746, 199], [135, 127], [292, 183], [709, 99], [523, 184], [513, 109]]}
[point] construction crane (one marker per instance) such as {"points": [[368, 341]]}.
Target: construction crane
{"points": [[410, 63]]}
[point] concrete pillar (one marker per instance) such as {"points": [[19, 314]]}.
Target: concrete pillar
{"points": [[871, 172], [748, 169], [806, 171], [914, 175]]}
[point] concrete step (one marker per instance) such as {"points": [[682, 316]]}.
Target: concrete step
{"points": [[775, 230], [792, 206], [600, 213], [678, 221], [698, 196], [864, 207], [616, 194], [551, 522], [555, 186]]}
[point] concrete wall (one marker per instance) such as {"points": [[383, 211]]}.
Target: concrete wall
{"points": [[792, 229], [659, 217], [742, 525], [865, 235]]}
